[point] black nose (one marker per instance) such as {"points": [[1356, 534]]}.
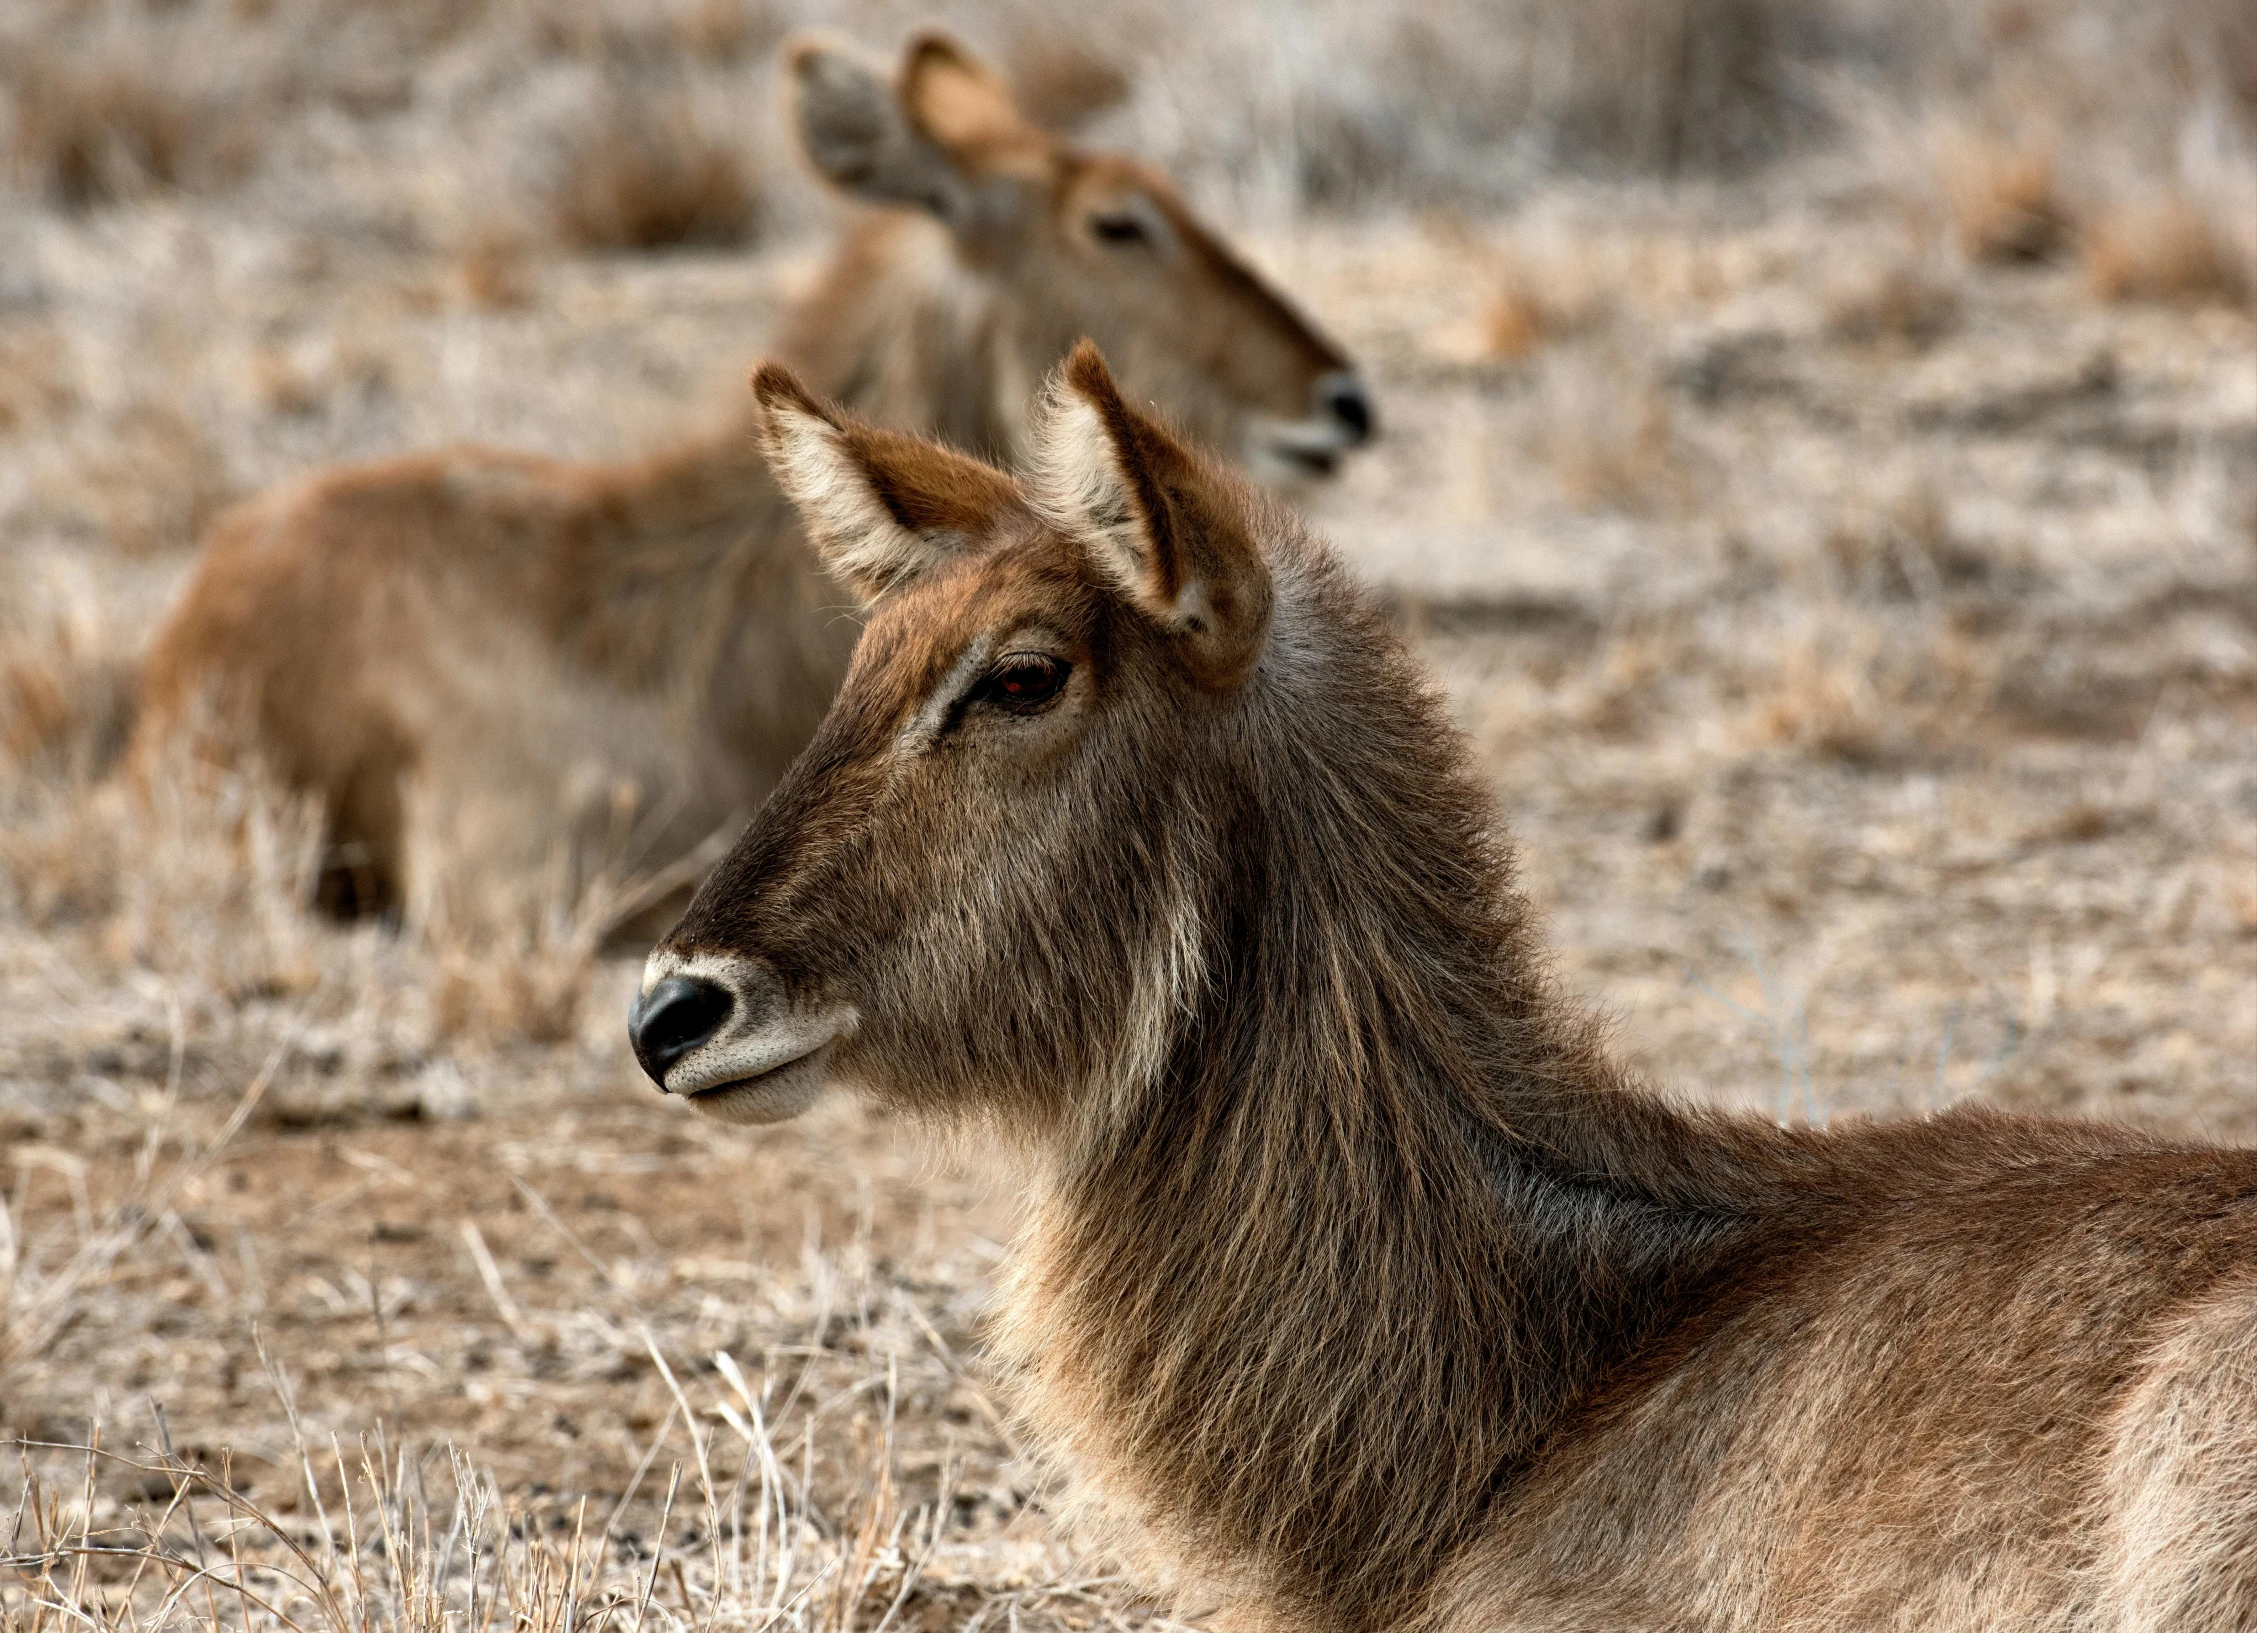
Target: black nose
{"points": [[674, 1017], [1345, 401]]}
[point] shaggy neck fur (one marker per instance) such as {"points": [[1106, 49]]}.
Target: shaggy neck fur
{"points": [[1388, 1211]]}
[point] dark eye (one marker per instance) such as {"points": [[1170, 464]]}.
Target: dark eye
{"points": [[1023, 682], [1118, 229]]}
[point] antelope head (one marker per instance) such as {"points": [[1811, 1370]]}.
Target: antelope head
{"points": [[1055, 243], [987, 884]]}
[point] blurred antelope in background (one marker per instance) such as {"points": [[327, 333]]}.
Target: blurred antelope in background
{"points": [[487, 663], [1361, 1288]]}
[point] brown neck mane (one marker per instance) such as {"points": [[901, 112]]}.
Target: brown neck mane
{"points": [[1399, 1212]]}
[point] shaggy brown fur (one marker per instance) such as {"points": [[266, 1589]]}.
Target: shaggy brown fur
{"points": [[504, 674], [1360, 1288]]}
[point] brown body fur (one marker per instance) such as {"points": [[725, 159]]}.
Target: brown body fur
{"points": [[504, 675], [1360, 1289]]}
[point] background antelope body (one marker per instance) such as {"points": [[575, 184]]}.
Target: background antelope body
{"points": [[371, 633]]}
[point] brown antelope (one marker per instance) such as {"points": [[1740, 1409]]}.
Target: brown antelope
{"points": [[484, 661], [1360, 1287]]}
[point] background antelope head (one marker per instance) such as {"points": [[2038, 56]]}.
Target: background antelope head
{"points": [[1040, 244], [986, 881]]}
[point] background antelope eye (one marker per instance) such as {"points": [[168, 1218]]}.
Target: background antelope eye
{"points": [[1118, 228], [1024, 681]]}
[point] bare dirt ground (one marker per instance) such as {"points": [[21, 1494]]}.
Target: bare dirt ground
{"points": [[1861, 632]]}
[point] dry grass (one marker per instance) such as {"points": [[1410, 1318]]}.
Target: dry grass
{"points": [[1900, 546], [497, 269], [646, 173], [1671, 85], [1853, 690], [2167, 250], [414, 1539], [91, 133], [638, 32], [143, 477], [525, 985], [726, 31], [34, 381], [1517, 323], [1856, 633], [1905, 303], [1536, 304], [1061, 83], [65, 687], [1609, 435], [2002, 198], [66, 684], [786, 1463], [305, 380]]}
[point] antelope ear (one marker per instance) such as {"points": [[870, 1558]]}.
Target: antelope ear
{"points": [[956, 99], [1162, 524], [880, 507], [858, 133]]}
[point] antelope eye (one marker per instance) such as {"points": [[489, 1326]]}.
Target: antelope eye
{"points": [[1024, 681], [1116, 227]]}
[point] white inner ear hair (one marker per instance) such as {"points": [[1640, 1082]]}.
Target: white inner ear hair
{"points": [[1078, 487], [856, 535]]}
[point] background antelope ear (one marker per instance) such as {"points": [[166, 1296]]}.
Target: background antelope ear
{"points": [[881, 507], [857, 132], [956, 99], [1160, 521]]}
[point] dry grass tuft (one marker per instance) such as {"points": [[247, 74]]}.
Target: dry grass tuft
{"points": [[1866, 692], [796, 1448], [2165, 250], [629, 33], [93, 133], [1902, 547], [35, 380], [66, 698], [280, 384], [646, 174], [1539, 301], [1518, 322], [1668, 85], [2002, 199], [1609, 436], [1905, 303], [497, 269], [225, 864], [1825, 699], [66, 692], [1061, 83], [529, 987], [153, 477], [303, 379], [1552, 281]]}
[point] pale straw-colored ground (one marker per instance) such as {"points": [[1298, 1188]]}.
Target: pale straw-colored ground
{"points": [[1860, 630]]}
